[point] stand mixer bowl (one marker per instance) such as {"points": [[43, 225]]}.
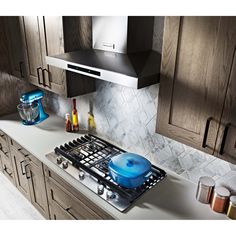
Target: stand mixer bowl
{"points": [[28, 112]]}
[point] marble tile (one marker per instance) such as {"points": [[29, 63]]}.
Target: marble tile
{"points": [[13, 205], [127, 117]]}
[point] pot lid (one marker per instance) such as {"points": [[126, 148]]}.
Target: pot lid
{"points": [[129, 165]]}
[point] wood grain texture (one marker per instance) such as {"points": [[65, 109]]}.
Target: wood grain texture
{"points": [[15, 46], [62, 196], [190, 91], [228, 55], [4, 53]]}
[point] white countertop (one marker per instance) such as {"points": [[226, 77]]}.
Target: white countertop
{"points": [[172, 198]]}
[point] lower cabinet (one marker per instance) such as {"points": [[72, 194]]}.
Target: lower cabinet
{"points": [[49, 194], [5, 158], [65, 202], [37, 185], [30, 177]]}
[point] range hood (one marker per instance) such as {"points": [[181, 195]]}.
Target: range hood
{"points": [[121, 52]]}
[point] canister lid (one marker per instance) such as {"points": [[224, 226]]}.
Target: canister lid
{"points": [[206, 181], [233, 200], [222, 192]]}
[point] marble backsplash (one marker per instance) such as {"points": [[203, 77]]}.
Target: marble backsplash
{"points": [[128, 117]]}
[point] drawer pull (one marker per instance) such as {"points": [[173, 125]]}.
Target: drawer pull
{"points": [[26, 172], [204, 145], [23, 170], [222, 146], [5, 169]]}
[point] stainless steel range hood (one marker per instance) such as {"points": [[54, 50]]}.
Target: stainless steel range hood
{"points": [[121, 52]]}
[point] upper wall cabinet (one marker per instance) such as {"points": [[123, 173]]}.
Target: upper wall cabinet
{"points": [[44, 36], [15, 46], [197, 82]]}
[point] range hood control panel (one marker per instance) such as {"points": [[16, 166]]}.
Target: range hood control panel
{"points": [[89, 71]]}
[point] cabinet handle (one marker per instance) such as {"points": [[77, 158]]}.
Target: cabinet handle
{"points": [[39, 68], [5, 169], [204, 145], [222, 146], [21, 71], [26, 172], [47, 85], [21, 166]]}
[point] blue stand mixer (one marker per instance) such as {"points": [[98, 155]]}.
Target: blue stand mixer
{"points": [[31, 109]]}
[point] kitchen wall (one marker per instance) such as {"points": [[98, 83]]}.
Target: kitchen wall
{"points": [[128, 117]]}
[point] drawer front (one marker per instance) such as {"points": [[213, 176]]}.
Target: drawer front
{"points": [[69, 204], [8, 169], [70, 198], [21, 151], [3, 140]]}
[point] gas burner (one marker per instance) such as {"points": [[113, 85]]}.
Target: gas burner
{"points": [[87, 158]]}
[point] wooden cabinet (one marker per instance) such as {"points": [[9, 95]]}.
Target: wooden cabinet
{"points": [[5, 157], [30, 177], [37, 185], [197, 64], [44, 36], [20, 159], [65, 202], [15, 46]]}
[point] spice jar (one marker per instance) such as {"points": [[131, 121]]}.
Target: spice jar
{"points": [[231, 212], [219, 199], [205, 188]]}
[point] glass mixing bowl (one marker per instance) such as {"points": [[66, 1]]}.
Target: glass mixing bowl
{"points": [[28, 112]]}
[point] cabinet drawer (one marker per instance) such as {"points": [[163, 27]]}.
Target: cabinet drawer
{"points": [[70, 204], [3, 141], [18, 149], [71, 200]]}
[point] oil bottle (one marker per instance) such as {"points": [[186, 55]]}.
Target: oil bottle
{"points": [[75, 123]]}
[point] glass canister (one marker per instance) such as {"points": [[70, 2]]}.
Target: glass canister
{"points": [[231, 212], [219, 199], [205, 188]]}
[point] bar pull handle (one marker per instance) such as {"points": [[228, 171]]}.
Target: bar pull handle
{"points": [[44, 80], [21, 70], [26, 172], [204, 145], [21, 166], [39, 68], [222, 146]]}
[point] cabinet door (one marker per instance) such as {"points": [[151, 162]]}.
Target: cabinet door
{"points": [[19, 161], [226, 142], [15, 46], [37, 186], [55, 78], [32, 37], [193, 83]]}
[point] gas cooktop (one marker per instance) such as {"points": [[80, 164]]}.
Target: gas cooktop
{"points": [[87, 158]]}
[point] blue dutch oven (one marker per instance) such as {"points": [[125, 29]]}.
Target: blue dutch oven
{"points": [[129, 170]]}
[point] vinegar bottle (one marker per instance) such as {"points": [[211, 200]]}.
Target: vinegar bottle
{"points": [[75, 123]]}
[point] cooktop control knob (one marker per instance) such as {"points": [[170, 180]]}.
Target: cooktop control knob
{"points": [[110, 195], [59, 160], [64, 164], [100, 189], [81, 175]]}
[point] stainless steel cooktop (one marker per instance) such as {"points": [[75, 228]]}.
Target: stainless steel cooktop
{"points": [[87, 158]]}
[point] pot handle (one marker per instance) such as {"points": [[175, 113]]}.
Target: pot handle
{"points": [[148, 175]]}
